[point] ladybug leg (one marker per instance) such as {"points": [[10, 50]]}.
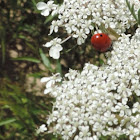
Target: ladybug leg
{"points": [[110, 48], [98, 58]]}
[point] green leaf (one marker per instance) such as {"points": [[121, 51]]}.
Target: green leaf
{"points": [[128, 4], [133, 12], [3, 46], [30, 59], [36, 74], [24, 100], [131, 9], [54, 138], [31, 47], [139, 17], [2, 43], [101, 61], [7, 121], [23, 37], [49, 19], [34, 2], [45, 60]]}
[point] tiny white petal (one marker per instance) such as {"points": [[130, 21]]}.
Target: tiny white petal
{"points": [[45, 12], [45, 79], [41, 5], [46, 91], [48, 44]]}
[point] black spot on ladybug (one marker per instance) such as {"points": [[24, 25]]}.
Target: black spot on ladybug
{"points": [[101, 35]]}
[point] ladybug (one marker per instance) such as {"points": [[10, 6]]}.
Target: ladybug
{"points": [[101, 42]]}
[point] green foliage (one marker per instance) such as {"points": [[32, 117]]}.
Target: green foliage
{"points": [[22, 31], [122, 137], [2, 40], [131, 8], [139, 16], [49, 19], [30, 59], [20, 112], [7, 121], [45, 60]]}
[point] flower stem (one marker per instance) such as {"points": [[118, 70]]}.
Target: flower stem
{"points": [[66, 39]]}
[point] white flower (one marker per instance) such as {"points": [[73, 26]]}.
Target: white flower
{"points": [[123, 109], [78, 17], [41, 129], [99, 100], [136, 107], [55, 49], [132, 132], [81, 36], [46, 7], [54, 26], [84, 131], [110, 118], [51, 81]]}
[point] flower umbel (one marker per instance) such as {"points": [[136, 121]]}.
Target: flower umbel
{"points": [[97, 101], [79, 18]]}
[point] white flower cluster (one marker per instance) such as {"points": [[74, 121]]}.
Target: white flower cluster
{"points": [[101, 101], [79, 17]]}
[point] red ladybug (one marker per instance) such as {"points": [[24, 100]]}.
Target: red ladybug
{"points": [[101, 42]]}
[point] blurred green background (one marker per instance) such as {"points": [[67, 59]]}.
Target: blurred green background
{"points": [[23, 61], [23, 107]]}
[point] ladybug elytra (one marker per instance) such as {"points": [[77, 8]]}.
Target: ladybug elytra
{"points": [[101, 42]]}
